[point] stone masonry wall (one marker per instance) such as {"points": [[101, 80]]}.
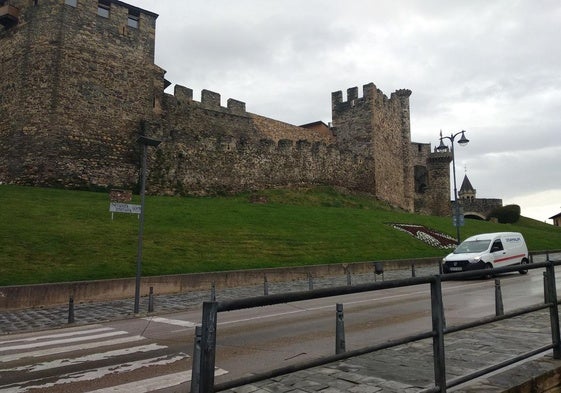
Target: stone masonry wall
{"points": [[82, 87], [212, 149]]}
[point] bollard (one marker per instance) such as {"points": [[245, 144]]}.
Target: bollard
{"points": [[265, 285], [310, 282], [349, 281], [151, 300], [413, 270], [196, 364], [378, 269], [213, 292], [499, 309], [339, 330], [71, 309]]}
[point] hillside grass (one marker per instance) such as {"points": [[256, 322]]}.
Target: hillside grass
{"points": [[52, 235]]}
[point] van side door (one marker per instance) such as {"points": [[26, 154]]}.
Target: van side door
{"points": [[497, 250]]}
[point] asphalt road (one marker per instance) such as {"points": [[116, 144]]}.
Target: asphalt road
{"points": [[154, 353]]}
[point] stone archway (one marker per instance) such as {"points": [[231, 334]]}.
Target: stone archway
{"points": [[475, 216]]}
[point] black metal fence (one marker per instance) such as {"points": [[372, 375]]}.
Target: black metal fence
{"points": [[205, 342]]}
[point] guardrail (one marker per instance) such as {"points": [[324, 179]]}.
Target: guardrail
{"points": [[205, 343]]}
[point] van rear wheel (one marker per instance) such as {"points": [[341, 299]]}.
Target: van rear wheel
{"points": [[524, 262]]}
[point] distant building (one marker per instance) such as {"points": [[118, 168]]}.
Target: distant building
{"points": [[475, 208], [556, 219]]}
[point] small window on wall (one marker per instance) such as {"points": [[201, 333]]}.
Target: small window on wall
{"points": [[72, 3], [133, 19], [103, 7]]}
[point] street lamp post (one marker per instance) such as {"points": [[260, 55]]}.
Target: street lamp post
{"points": [[145, 142], [462, 142]]}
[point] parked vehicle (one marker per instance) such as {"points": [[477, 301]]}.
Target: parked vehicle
{"points": [[487, 251]]}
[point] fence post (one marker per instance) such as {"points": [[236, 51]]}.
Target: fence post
{"points": [[339, 330], [208, 348], [265, 285], [437, 309], [71, 309], [196, 369], [151, 300], [553, 310], [310, 281], [499, 308]]}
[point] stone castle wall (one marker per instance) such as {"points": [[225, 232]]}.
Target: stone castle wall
{"points": [[212, 149], [79, 87]]}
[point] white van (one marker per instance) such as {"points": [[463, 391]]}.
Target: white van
{"points": [[487, 251]]}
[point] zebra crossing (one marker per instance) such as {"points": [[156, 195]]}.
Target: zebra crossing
{"points": [[92, 359]]}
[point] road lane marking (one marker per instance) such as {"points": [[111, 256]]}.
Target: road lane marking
{"points": [[153, 384], [168, 321], [87, 358], [69, 348]]}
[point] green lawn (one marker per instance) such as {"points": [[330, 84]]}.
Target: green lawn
{"points": [[51, 235]]}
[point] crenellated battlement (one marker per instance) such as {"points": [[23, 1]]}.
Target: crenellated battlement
{"points": [[209, 100], [370, 93]]}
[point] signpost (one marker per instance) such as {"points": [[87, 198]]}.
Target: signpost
{"points": [[115, 207]]}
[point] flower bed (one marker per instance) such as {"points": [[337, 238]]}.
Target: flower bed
{"points": [[427, 235]]}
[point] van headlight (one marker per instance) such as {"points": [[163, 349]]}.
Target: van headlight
{"points": [[443, 261], [476, 259]]}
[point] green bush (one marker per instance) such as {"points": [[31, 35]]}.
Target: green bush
{"points": [[508, 214]]}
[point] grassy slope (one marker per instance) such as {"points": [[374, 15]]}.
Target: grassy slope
{"points": [[50, 235]]}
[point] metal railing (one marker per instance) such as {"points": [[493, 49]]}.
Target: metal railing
{"points": [[205, 342]]}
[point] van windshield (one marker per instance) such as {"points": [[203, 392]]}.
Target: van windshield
{"points": [[472, 246]]}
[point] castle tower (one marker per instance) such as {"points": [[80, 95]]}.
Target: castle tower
{"points": [[78, 77], [466, 190], [378, 128], [438, 195]]}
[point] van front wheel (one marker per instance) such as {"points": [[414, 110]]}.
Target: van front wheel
{"points": [[524, 262], [488, 269]]}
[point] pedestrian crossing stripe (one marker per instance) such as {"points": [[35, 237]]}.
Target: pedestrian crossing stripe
{"points": [[88, 358], [62, 341], [91, 375], [68, 348]]}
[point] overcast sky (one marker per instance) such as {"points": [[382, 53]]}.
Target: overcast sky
{"points": [[492, 68]]}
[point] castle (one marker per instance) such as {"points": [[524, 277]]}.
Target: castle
{"points": [[79, 85]]}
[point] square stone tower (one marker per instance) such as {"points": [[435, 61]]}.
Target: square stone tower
{"points": [[78, 77], [378, 127]]}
